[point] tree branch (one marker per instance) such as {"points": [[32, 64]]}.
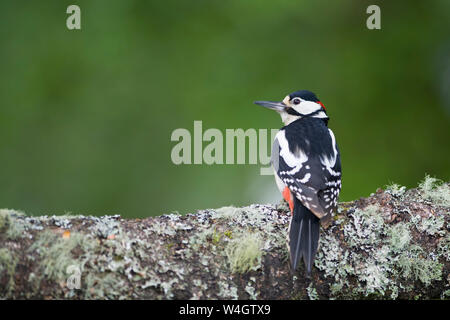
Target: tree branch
{"points": [[393, 244]]}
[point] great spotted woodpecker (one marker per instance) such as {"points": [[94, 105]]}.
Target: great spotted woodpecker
{"points": [[307, 165]]}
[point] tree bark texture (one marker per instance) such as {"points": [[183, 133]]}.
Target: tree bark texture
{"points": [[391, 245]]}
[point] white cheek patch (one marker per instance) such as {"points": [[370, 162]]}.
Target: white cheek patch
{"points": [[288, 118], [307, 107]]}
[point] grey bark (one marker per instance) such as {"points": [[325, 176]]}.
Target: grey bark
{"points": [[391, 245]]}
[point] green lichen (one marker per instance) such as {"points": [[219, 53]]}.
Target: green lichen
{"points": [[161, 228], [228, 234], [216, 236], [62, 221], [444, 248], [242, 235], [108, 264], [12, 223], [8, 262], [434, 190], [103, 286], [365, 228], [414, 263], [201, 237], [106, 226], [4, 219], [395, 190], [365, 252], [253, 295], [227, 290], [445, 294], [379, 252], [375, 275], [432, 225], [312, 292], [250, 217], [399, 236], [16, 229], [333, 260], [56, 253], [244, 253]]}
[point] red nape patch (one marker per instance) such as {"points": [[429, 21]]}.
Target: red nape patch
{"points": [[321, 105]]}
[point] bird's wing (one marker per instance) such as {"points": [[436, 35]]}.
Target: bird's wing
{"points": [[315, 179]]}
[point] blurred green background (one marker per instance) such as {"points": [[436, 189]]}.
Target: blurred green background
{"points": [[86, 116]]}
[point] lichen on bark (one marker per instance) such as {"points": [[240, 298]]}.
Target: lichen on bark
{"points": [[391, 245]]}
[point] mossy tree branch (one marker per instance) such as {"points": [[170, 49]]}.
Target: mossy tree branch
{"points": [[393, 244]]}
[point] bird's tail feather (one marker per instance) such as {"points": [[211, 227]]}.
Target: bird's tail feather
{"points": [[303, 236]]}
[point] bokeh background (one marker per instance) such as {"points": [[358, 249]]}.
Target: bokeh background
{"points": [[86, 116]]}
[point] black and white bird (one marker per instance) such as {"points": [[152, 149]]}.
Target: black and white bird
{"points": [[307, 165]]}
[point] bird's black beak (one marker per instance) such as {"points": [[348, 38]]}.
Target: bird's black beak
{"points": [[277, 106]]}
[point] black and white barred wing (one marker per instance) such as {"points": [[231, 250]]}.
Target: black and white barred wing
{"points": [[314, 179]]}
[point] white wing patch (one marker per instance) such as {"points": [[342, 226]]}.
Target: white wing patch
{"points": [[330, 162], [294, 161], [305, 179]]}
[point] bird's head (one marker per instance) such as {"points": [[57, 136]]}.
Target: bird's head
{"points": [[297, 105]]}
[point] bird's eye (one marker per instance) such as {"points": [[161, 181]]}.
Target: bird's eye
{"points": [[296, 101]]}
